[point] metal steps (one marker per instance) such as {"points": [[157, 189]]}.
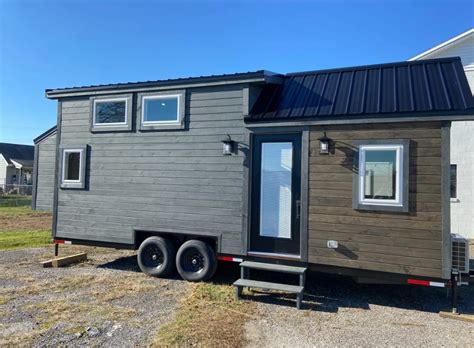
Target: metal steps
{"points": [[248, 283], [273, 267], [244, 280]]}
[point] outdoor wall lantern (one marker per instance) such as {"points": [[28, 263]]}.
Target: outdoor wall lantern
{"points": [[228, 146], [324, 145]]}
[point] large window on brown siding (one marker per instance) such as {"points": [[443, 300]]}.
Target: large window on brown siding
{"points": [[381, 175]]}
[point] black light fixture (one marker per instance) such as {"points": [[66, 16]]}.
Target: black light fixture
{"points": [[324, 142], [228, 146]]}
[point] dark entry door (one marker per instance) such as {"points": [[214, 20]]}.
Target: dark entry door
{"points": [[276, 178]]}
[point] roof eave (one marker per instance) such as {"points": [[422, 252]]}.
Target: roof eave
{"points": [[258, 77], [45, 134], [446, 115]]}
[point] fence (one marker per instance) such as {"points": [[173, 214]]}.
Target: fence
{"points": [[15, 195]]}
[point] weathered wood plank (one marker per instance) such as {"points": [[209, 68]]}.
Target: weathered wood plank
{"points": [[347, 186], [65, 260], [382, 240], [419, 216], [377, 257], [412, 269], [326, 229], [411, 250], [379, 221]]}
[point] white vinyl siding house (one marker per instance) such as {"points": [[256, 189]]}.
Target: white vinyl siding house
{"points": [[462, 139], [16, 167]]}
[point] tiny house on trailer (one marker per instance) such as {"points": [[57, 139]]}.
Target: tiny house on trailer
{"points": [[342, 171]]}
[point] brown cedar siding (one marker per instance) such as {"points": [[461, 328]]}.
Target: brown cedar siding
{"points": [[405, 243]]}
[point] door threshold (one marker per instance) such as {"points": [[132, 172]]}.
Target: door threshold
{"points": [[274, 255]]}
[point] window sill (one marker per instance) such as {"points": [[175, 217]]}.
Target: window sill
{"points": [[79, 186], [161, 127], [455, 200], [101, 129], [378, 207]]}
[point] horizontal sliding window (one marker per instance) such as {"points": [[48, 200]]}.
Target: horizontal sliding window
{"points": [[161, 111], [73, 168], [382, 176], [111, 113]]}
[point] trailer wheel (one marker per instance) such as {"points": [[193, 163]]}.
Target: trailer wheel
{"points": [[196, 261], [156, 256]]}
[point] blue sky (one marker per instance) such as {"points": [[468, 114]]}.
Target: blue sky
{"points": [[63, 43]]}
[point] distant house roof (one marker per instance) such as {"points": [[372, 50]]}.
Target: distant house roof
{"points": [[45, 134], [22, 163], [16, 152], [259, 75], [415, 88], [444, 44]]}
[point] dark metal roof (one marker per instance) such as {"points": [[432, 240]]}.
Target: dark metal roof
{"points": [[17, 152], [262, 74], [23, 162], [46, 134], [413, 88]]}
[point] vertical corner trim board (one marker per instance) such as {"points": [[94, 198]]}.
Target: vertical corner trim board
{"points": [[396, 242]]}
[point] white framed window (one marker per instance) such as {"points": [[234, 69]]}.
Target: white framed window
{"points": [[73, 164], [111, 113], [381, 179], [163, 110]]}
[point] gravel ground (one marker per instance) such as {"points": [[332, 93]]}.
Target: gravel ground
{"points": [[105, 301], [342, 313]]}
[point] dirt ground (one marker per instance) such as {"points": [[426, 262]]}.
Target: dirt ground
{"points": [[31, 221], [103, 301], [107, 301]]}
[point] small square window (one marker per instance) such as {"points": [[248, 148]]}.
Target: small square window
{"points": [[161, 111], [381, 179], [111, 114], [73, 168]]}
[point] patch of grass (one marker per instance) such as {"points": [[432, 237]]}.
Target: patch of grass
{"points": [[209, 316], [54, 312], [21, 211], [23, 219], [15, 200], [5, 299], [24, 239]]}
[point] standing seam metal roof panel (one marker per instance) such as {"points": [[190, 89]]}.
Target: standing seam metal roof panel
{"points": [[415, 87]]}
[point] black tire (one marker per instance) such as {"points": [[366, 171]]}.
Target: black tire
{"points": [[156, 256], [196, 261]]}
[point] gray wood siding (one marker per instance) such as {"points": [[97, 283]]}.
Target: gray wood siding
{"points": [[45, 176], [167, 180], [406, 243]]}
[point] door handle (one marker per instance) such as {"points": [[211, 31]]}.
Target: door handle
{"points": [[298, 209]]}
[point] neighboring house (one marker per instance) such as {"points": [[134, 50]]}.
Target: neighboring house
{"points": [[43, 180], [345, 171], [462, 138], [16, 168]]}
